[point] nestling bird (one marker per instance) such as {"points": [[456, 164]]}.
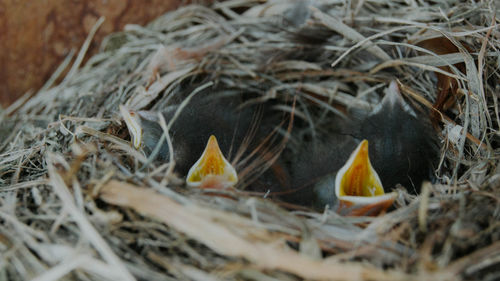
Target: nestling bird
{"points": [[233, 131], [335, 168], [402, 149]]}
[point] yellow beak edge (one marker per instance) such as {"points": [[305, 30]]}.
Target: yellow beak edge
{"points": [[133, 122], [212, 170], [358, 186]]}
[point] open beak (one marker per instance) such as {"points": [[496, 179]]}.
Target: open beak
{"points": [[358, 186], [133, 122], [212, 170]]}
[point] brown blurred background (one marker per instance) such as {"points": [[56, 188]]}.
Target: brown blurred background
{"points": [[36, 35]]}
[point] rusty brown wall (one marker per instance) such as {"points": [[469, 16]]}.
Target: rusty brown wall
{"points": [[36, 35]]}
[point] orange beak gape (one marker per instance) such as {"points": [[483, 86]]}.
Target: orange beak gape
{"points": [[212, 170], [358, 186]]}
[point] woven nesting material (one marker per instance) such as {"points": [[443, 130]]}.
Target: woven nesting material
{"points": [[78, 202]]}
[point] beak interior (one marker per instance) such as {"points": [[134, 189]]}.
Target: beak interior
{"points": [[358, 178], [212, 170], [358, 185]]}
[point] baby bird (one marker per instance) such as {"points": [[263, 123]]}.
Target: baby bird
{"points": [[351, 166], [335, 168], [213, 127]]}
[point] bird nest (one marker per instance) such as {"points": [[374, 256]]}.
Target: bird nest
{"points": [[78, 202]]}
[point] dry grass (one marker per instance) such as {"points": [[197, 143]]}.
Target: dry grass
{"points": [[76, 202]]}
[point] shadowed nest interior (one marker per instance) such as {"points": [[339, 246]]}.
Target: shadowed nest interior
{"points": [[78, 202]]}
